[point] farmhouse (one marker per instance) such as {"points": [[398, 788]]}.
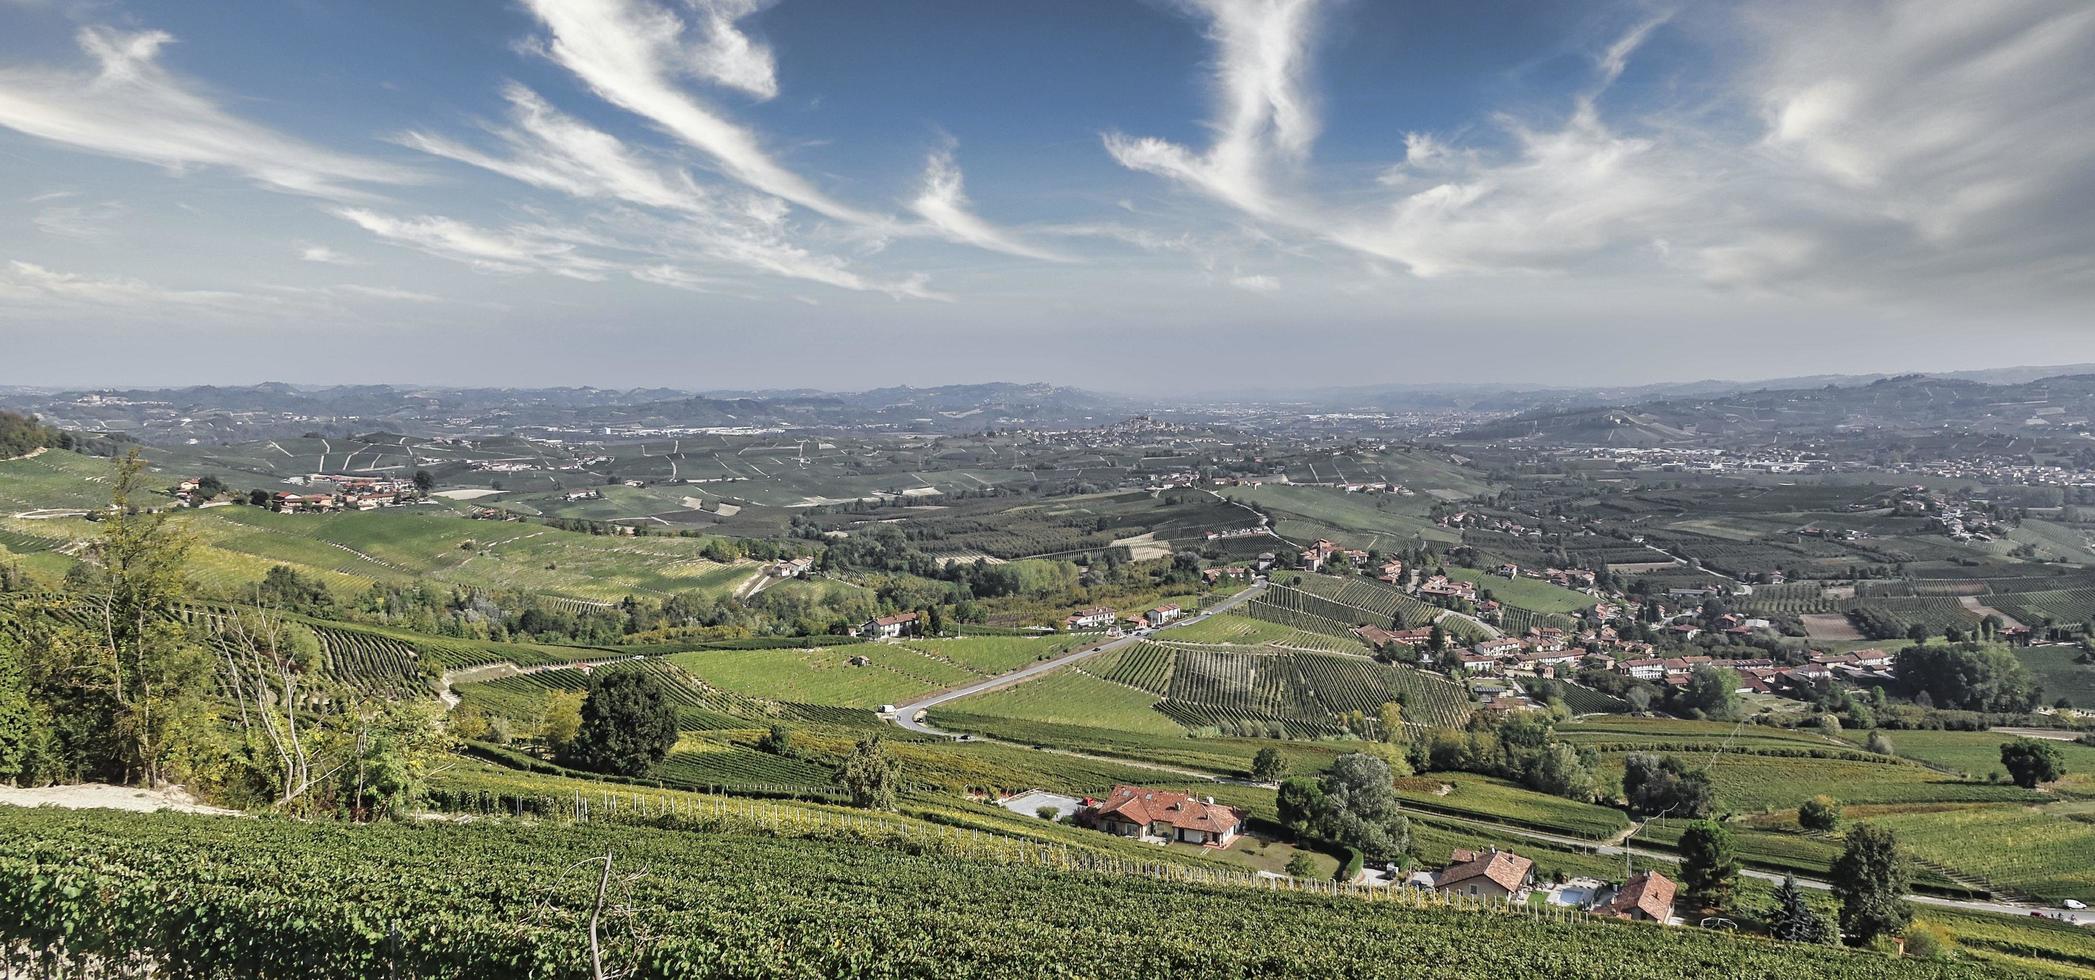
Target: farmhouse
{"points": [[1154, 814], [1096, 617], [888, 627], [1503, 646], [1165, 613], [1646, 897], [1490, 873]]}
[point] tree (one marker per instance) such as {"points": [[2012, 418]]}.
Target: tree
{"points": [[1352, 804], [392, 747], [1819, 813], [129, 686], [1712, 692], [560, 720], [777, 741], [1654, 784], [1300, 866], [872, 777], [1971, 677], [2031, 761], [1870, 878], [1794, 919], [268, 666], [628, 724], [1267, 765], [1880, 744], [1709, 864], [425, 482]]}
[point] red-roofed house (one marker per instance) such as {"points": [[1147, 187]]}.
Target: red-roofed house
{"points": [[1646, 897], [888, 627], [1485, 874], [1134, 811]]}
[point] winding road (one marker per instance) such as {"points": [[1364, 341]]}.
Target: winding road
{"points": [[908, 715]]}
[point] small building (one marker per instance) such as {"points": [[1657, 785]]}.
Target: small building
{"points": [[1165, 613], [1159, 815], [889, 627], [1490, 873], [1095, 618], [1646, 897]]}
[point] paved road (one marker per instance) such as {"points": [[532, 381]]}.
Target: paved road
{"points": [[906, 714]]}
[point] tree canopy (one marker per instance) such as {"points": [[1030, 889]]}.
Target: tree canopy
{"points": [[1352, 804], [628, 724], [1655, 784], [2030, 761], [1870, 879], [1968, 676]]}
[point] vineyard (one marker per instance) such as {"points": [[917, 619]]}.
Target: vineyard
{"points": [[1256, 691], [846, 898], [1388, 603], [2018, 848]]}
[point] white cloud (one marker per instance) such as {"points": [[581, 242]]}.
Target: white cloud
{"points": [[131, 107], [1256, 283], [943, 204], [752, 231], [632, 53], [324, 255], [83, 222], [1262, 49], [388, 293], [1897, 146], [517, 249], [27, 283], [727, 56]]}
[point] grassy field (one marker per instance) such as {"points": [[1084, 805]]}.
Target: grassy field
{"points": [[1746, 783], [1380, 521], [825, 675], [2048, 852], [993, 654], [1977, 754], [1485, 798], [1527, 593], [1232, 628], [1070, 697], [2060, 675]]}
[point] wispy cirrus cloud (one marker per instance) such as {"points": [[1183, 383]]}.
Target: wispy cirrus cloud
{"points": [[129, 106], [943, 205], [515, 249], [28, 283], [1264, 113], [634, 55], [746, 230], [1895, 145]]}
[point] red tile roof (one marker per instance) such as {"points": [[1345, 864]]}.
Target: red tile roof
{"points": [[1648, 892], [1503, 868], [1136, 804]]}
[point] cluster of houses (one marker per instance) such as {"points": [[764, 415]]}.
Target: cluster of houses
{"points": [[1166, 817], [1102, 618], [1324, 554], [800, 567]]}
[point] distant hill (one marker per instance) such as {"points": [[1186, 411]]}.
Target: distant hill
{"points": [[1905, 405]]}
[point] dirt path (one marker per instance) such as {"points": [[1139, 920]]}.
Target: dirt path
{"points": [[1972, 603], [102, 796]]}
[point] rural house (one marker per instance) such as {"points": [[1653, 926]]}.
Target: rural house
{"points": [[1097, 617], [1154, 814], [889, 627], [1646, 897], [1485, 874]]}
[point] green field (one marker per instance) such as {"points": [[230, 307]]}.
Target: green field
{"points": [[2060, 675], [825, 675], [1071, 697], [443, 899], [1977, 754], [1534, 595], [2047, 852], [1489, 799]]}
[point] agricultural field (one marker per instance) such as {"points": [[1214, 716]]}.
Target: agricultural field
{"points": [[451, 889], [1380, 521], [1977, 754], [1242, 630], [1488, 799], [2047, 852], [825, 675], [2061, 675], [1755, 782], [1072, 697], [1533, 595], [989, 655]]}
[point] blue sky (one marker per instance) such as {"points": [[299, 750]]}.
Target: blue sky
{"points": [[1174, 195]]}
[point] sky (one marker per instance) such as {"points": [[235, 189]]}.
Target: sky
{"points": [[1131, 195]]}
